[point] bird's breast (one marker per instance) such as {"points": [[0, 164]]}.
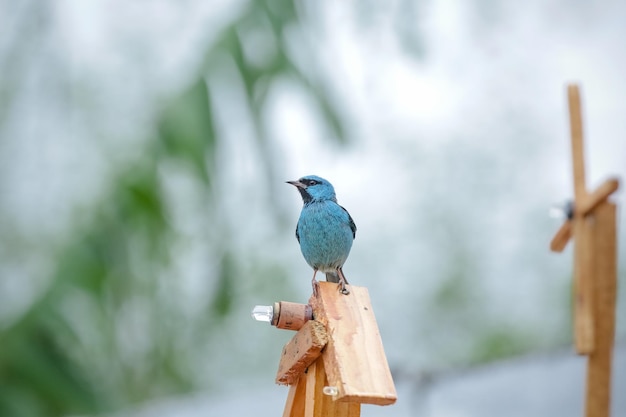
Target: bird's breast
{"points": [[325, 235]]}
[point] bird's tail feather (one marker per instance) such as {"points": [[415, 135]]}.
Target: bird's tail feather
{"points": [[332, 277]]}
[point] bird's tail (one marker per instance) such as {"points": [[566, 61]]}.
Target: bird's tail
{"points": [[332, 277]]}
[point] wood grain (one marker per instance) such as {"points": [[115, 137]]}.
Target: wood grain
{"points": [[605, 288], [600, 194], [320, 405], [301, 351], [576, 131], [295, 405], [561, 237], [354, 358], [583, 285]]}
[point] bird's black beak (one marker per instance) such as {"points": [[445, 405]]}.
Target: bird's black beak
{"points": [[297, 184], [301, 187]]}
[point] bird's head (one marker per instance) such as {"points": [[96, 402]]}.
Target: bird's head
{"points": [[314, 188]]}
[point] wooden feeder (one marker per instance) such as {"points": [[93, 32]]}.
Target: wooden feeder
{"points": [[336, 361], [592, 225]]}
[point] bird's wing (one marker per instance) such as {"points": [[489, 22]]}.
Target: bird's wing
{"points": [[352, 224], [297, 235]]}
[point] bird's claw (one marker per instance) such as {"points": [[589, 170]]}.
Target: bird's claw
{"points": [[343, 289], [342, 282]]}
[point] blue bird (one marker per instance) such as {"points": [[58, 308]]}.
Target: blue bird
{"points": [[325, 230]]}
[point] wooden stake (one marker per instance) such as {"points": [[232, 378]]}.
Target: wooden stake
{"points": [[321, 405], [354, 357], [346, 332], [583, 268], [296, 398], [605, 288], [583, 285], [576, 129], [307, 399], [593, 228]]}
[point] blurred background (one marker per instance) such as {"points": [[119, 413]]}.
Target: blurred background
{"points": [[144, 148]]}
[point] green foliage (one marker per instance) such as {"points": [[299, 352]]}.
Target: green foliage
{"points": [[187, 131], [259, 65], [116, 258], [38, 378], [107, 331], [499, 343], [223, 299]]}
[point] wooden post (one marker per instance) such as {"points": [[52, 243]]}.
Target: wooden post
{"points": [[354, 358], [593, 227], [605, 289], [583, 295], [307, 399], [336, 362], [583, 285]]}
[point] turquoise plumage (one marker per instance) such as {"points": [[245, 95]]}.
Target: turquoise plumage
{"points": [[325, 230]]}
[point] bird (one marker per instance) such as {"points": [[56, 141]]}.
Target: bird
{"points": [[325, 230]]}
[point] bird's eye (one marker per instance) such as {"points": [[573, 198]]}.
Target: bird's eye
{"points": [[312, 182]]}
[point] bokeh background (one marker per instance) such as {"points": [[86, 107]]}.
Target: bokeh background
{"points": [[143, 212]]}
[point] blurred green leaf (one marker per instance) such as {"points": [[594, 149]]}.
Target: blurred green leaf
{"points": [[187, 131], [223, 299], [42, 372], [500, 343], [106, 331]]}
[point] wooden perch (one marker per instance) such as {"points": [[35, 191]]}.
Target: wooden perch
{"points": [[583, 294], [303, 349], [354, 358], [352, 368], [593, 228], [583, 286], [605, 290], [582, 228], [307, 399]]}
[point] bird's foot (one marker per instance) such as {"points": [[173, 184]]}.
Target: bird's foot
{"points": [[342, 283]]}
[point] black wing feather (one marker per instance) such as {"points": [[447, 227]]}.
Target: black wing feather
{"points": [[352, 224]]}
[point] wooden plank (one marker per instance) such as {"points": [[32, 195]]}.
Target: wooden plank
{"points": [[354, 358], [296, 399], [561, 237], [301, 351], [583, 285], [600, 194], [320, 405], [583, 257], [605, 289], [576, 130]]}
